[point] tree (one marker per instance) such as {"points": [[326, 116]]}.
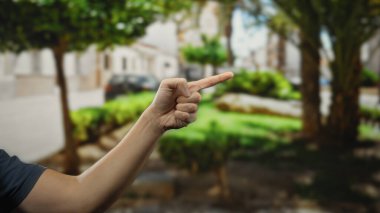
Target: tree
{"points": [[67, 25], [347, 31], [212, 52], [287, 18], [305, 17], [225, 15], [348, 24]]}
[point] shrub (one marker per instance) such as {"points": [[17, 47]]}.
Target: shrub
{"points": [[87, 123], [127, 108], [369, 78], [198, 151], [370, 115], [265, 84], [201, 152]]}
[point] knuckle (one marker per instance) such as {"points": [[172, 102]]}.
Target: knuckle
{"points": [[194, 107], [198, 97], [165, 81], [180, 99], [180, 80]]}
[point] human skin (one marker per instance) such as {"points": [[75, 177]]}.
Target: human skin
{"points": [[174, 106]]}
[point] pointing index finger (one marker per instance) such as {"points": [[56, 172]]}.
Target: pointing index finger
{"points": [[210, 81]]}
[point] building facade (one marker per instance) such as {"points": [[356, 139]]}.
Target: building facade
{"points": [[33, 72]]}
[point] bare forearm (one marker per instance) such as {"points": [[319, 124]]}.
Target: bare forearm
{"points": [[117, 169], [97, 187]]}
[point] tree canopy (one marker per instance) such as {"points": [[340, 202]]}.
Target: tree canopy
{"points": [[211, 52], [80, 23]]}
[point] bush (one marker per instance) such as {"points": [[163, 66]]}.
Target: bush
{"points": [[369, 78], [265, 84], [127, 108], [204, 152], [370, 115], [87, 123], [199, 151]]}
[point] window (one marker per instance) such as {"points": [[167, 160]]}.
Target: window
{"points": [[124, 64], [106, 61], [167, 65]]}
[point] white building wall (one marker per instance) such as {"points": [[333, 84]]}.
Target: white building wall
{"points": [[166, 67], [47, 62], [163, 36], [293, 60], [373, 46], [24, 64], [120, 53], [209, 20]]}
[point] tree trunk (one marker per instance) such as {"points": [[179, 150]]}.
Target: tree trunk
{"points": [[311, 117], [228, 30], [269, 50], [71, 165], [203, 71], [221, 175], [343, 120], [181, 66], [98, 70], [214, 70], [281, 54]]}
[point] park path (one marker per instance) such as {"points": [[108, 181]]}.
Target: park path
{"points": [[249, 103]]}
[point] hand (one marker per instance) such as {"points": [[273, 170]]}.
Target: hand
{"points": [[176, 102]]}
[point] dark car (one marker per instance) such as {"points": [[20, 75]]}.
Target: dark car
{"points": [[123, 84]]}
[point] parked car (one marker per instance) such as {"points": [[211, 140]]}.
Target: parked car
{"points": [[121, 84]]}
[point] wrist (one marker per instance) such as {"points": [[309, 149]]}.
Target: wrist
{"points": [[153, 118]]}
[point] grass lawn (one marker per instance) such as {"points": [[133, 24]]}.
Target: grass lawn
{"points": [[256, 130]]}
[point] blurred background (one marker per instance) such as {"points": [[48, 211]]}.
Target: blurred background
{"points": [[296, 129]]}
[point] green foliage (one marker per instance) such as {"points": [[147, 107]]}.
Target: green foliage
{"points": [[87, 123], [90, 123], [369, 78], [77, 23], [128, 108], [211, 52], [194, 54], [198, 153], [266, 84], [218, 136], [371, 115]]}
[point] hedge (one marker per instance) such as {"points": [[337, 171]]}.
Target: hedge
{"points": [[260, 83]]}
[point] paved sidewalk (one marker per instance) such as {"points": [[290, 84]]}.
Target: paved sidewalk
{"points": [[31, 127]]}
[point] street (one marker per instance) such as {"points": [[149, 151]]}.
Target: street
{"points": [[31, 127]]}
